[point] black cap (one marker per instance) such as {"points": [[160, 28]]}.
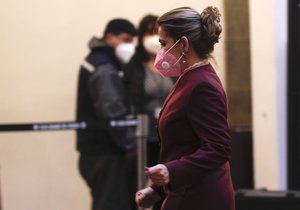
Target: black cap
{"points": [[118, 26]]}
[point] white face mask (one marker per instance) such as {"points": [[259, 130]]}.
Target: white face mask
{"points": [[124, 52], [151, 44]]}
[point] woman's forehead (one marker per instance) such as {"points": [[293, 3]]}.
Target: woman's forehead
{"points": [[162, 33]]}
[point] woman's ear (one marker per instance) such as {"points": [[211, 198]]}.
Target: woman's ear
{"points": [[185, 43]]}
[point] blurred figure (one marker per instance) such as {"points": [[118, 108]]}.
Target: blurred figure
{"points": [[101, 99], [147, 89], [193, 129]]}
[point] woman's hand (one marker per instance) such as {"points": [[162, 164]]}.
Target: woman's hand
{"points": [[159, 174], [146, 198]]}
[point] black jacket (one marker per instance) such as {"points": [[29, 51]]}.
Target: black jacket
{"points": [[101, 98]]}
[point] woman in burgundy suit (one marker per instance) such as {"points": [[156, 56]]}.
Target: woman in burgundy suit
{"points": [[193, 130]]}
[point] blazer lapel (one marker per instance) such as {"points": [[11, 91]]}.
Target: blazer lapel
{"points": [[169, 97]]}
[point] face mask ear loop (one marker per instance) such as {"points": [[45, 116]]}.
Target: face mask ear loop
{"points": [[172, 46], [179, 59], [183, 54]]}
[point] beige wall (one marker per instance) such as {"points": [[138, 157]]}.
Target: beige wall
{"points": [[268, 60], [42, 44]]}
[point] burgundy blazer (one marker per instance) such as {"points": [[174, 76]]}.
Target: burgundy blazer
{"points": [[195, 143]]}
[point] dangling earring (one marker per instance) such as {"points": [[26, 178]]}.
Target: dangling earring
{"points": [[183, 55]]}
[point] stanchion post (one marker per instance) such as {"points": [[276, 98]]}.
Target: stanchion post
{"points": [[141, 133]]}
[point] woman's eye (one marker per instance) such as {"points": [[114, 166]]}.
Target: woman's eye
{"points": [[162, 43]]}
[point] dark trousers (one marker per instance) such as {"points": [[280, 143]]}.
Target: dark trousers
{"points": [[106, 176]]}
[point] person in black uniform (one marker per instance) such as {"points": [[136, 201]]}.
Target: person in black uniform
{"points": [[100, 100]]}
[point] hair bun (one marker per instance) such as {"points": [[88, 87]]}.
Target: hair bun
{"points": [[210, 20]]}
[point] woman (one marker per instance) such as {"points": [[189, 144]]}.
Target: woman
{"points": [[192, 126]]}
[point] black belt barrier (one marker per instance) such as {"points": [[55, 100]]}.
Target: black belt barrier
{"points": [[62, 125], [43, 126]]}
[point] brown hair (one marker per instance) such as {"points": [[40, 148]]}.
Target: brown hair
{"points": [[147, 25], [202, 30]]}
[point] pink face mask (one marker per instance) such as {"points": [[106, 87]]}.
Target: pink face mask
{"points": [[167, 64]]}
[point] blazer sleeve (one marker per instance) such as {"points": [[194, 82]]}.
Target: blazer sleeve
{"points": [[207, 116]]}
